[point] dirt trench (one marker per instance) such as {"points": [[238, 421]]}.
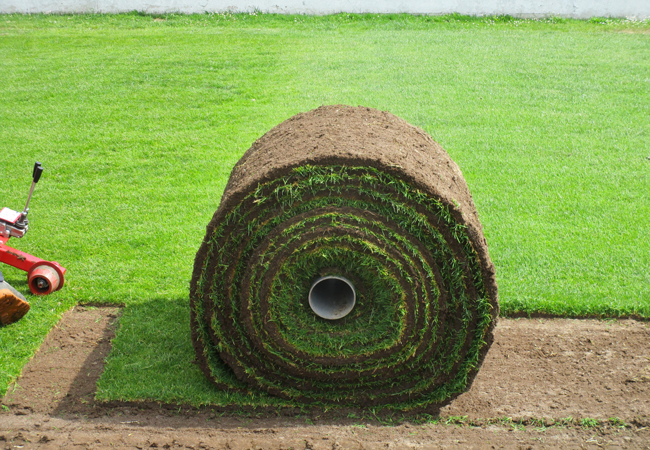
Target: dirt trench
{"points": [[551, 383]]}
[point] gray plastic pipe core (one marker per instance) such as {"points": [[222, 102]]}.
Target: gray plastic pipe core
{"points": [[332, 297]]}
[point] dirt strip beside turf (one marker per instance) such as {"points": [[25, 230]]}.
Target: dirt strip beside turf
{"points": [[562, 368], [43, 433], [537, 372], [65, 369]]}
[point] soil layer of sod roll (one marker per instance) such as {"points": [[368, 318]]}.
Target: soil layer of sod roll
{"points": [[360, 194]]}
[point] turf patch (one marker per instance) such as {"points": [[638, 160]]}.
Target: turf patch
{"points": [[358, 193]]}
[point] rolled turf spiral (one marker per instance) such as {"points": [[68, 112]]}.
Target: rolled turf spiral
{"points": [[355, 193]]}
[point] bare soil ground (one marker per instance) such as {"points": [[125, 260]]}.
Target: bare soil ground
{"points": [[558, 380]]}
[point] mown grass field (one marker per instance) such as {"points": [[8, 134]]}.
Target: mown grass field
{"points": [[138, 121]]}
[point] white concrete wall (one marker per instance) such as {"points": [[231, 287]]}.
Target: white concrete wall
{"points": [[583, 9]]}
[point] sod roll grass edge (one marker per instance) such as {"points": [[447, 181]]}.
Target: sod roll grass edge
{"points": [[356, 193]]}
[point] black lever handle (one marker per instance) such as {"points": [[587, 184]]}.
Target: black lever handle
{"points": [[38, 170]]}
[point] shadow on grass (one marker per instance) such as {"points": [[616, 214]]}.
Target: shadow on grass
{"points": [[151, 369], [81, 395], [153, 359]]}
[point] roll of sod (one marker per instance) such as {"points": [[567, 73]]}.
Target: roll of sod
{"points": [[372, 210]]}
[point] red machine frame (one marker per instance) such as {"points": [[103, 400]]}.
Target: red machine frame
{"points": [[44, 277], [38, 270]]}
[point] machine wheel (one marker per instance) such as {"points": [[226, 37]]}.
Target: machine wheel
{"points": [[45, 278]]}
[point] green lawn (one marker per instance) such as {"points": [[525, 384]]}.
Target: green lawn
{"points": [[138, 121]]}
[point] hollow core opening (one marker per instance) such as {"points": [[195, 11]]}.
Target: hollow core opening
{"points": [[332, 297]]}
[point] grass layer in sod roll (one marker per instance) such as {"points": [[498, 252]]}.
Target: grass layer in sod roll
{"points": [[320, 217], [138, 123]]}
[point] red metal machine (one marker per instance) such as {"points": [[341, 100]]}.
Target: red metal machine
{"points": [[44, 277]]}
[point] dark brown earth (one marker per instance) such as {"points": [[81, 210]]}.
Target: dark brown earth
{"points": [[548, 377]]}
